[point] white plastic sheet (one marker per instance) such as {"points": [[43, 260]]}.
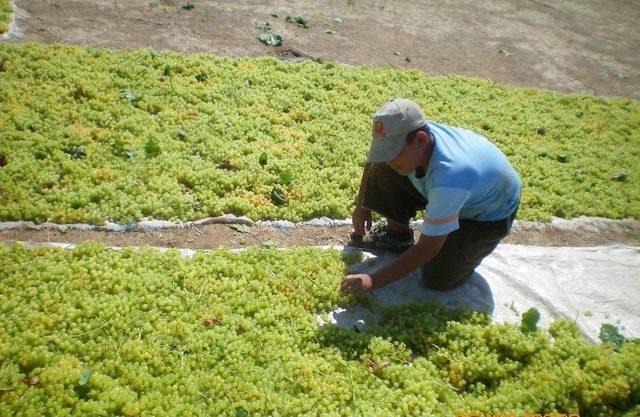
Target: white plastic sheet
{"points": [[591, 285]]}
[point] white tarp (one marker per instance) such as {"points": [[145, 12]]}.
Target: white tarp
{"points": [[591, 285]]}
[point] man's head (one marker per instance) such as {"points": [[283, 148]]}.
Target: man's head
{"points": [[398, 135]]}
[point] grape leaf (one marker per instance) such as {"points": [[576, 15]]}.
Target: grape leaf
{"points": [[242, 228], [286, 178], [263, 25], [151, 148], [130, 96], [609, 333], [277, 197], [84, 376], [270, 39], [530, 320], [619, 176], [299, 20]]}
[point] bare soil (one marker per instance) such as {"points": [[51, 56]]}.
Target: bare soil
{"points": [[221, 235], [580, 46]]}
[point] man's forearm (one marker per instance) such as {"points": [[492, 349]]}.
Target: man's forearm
{"points": [[363, 183]]}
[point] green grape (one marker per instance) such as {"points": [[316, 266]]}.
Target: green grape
{"points": [[225, 333], [115, 143]]}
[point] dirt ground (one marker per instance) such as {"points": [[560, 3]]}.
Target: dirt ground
{"points": [[580, 46], [222, 235], [583, 46]]}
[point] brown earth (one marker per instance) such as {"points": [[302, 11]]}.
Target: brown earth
{"points": [[583, 46], [221, 235]]}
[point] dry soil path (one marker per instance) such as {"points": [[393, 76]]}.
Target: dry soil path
{"points": [[584, 46]]}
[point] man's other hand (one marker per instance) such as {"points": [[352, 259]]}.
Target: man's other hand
{"points": [[361, 218], [357, 283]]}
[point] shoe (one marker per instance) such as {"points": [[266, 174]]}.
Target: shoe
{"points": [[382, 238]]}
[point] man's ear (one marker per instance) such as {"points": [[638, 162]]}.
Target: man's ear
{"points": [[422, 137]]}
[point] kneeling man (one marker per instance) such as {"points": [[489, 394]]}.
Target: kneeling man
{"points": [[467, 187]]}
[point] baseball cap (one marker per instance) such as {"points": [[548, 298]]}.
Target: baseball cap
{"points": [[390, 126]]}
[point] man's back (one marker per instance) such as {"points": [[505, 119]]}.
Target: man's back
{"points": [[470, 172]]}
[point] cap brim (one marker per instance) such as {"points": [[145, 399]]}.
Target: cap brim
{"points": [[384, 150]]}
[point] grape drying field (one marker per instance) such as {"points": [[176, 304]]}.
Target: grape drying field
{"points": [[94, 331], [91, 135]]}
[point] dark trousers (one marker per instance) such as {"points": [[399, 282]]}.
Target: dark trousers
{"points": [[394, 197]]}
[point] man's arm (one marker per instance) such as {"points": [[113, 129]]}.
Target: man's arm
{"points": [[363, 183], [417, 255], [361, 217]]}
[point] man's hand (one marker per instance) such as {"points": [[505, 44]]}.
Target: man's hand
{"points": [[353, 284], [361, 218]]}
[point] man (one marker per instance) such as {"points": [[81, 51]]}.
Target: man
{"points": [[470, 191]]}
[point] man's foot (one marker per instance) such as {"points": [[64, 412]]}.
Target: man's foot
{"points": [[383, 238]]}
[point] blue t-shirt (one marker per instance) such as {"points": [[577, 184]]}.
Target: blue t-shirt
{"points": [[468, 178]]}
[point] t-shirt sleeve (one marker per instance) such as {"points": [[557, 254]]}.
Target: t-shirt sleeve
{"points": [[441, 216]]}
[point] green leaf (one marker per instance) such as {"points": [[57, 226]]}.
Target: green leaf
{"points": [[329, 32], [85, 375], [562, 158], [76, 152], [338, 20], [188, 6], [152, 148], [530, 320], [118, 149], [619, 176], [610, 334], [201, 77], [264, 26], [241, 412], [270, 244], [182, 135], [275, 14], [299, 20], [270, 39], [262, 160], [130, 96], [277, 197], [286, 178], [242, 228]]}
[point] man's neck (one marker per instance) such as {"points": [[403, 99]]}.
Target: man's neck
{"points": [[421, 171]]}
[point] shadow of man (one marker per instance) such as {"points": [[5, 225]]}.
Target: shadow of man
{"points": [[370, 315]]}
